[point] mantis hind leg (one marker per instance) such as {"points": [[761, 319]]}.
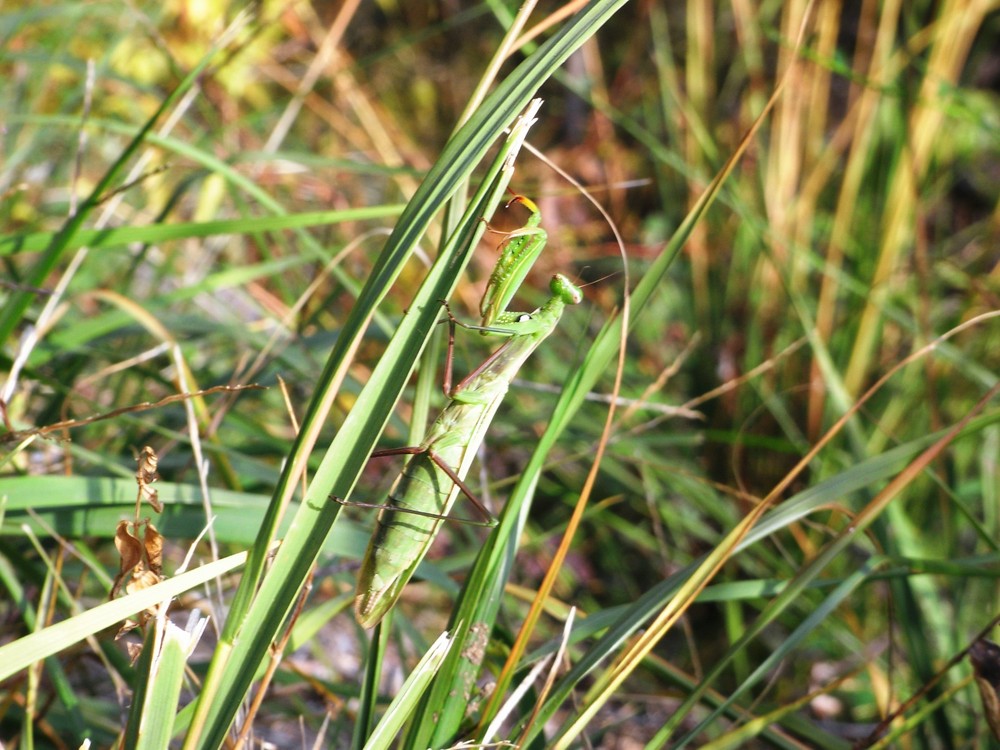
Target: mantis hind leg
{"points": [[487, 519]]}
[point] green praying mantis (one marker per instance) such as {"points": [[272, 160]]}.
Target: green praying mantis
{"points": [[423, 494]]}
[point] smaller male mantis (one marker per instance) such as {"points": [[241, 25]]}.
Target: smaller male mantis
{"points": [[435, 473]]}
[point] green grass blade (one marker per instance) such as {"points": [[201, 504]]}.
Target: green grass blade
{"points": [[90, 507], [368, 698], [159, 677], [114, 236], [25, 651], [407, 700]]}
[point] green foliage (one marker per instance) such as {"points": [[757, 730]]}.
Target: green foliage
{"points": [[791, 535]]}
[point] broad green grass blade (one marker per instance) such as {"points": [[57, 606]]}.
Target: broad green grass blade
{"points": [[368, 695], [159, 677], [25, 651], [407, 699], [97, 239], [79, 506]]}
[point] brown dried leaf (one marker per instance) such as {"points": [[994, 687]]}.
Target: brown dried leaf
{"points": [[985, 658], [143, 579], [147, 462], [153, 498], [130, 550], [129, 547], [142, 561], [145, 475], [127, 626], [134, 650], [154, 549]]}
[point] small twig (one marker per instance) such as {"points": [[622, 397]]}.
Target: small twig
{"points": [[67, 424]]}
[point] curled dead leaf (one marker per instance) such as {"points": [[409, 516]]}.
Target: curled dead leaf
{"points": [[141, 564], [129, 550], [145, 475], [985, 658], [153, 545]]}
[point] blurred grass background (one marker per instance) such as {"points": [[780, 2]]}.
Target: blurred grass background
{"points": [[861, 224]]}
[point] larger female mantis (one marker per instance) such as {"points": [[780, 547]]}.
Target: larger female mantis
{"points": [[435, 473]]}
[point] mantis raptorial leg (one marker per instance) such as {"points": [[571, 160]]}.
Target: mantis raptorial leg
{"points": [[424, 492], [518, 254]]}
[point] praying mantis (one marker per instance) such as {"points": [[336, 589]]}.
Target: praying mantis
{"points": [[423, 494]]}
